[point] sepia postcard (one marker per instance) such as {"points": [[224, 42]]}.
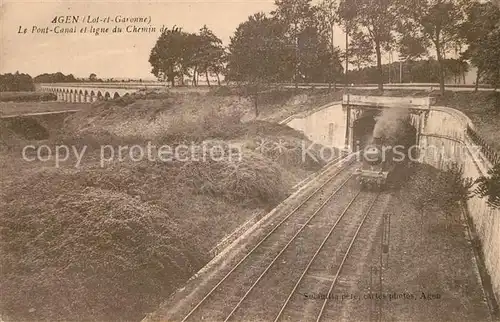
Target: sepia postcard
{"points": [[250, 160]]}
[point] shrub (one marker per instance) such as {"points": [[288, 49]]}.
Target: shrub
{"points": [[489, 187], [254, 181], [87, 250], [434, 189]]}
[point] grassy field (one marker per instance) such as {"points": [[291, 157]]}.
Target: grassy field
{"points": [[483, 108], [26, 97], [17, 108], [110, 241]]}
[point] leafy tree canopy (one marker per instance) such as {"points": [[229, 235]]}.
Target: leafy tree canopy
{"points": [[16, 82]]}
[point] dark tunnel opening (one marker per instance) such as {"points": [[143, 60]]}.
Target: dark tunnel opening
{"points": [[363, 130], [405, 135], [388, 144]]}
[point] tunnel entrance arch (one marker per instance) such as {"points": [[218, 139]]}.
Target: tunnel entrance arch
{"points": [[362, 128], [358, 108]]}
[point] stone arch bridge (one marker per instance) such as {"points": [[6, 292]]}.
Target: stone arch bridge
{"points": [[91, 92]]}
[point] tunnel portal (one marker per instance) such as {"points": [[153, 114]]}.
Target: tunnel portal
{"points": [[406, 136], [363, 129]]}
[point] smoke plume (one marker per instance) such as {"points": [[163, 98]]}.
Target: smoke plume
{"points": [[390, 124]]}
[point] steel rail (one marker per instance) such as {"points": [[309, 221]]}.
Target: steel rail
{"points": [[314, 214], [345, 257], [271, 232], [314, 257]]}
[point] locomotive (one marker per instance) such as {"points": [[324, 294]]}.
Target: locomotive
{"points": [[377, 165]]}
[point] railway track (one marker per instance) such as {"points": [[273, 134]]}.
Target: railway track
{"points": [[332, 286], [318, 283], [360, 272], [278, 237], [268, 282]]}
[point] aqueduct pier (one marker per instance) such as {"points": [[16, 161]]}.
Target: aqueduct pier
{"points": [[91, 92]]}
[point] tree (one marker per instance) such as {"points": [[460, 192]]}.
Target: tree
{"points": [[481, 32], [55, 78], [327, 17], [219, 65], [296, 16], [259, 54], [212, 54], [376, 20], [346, 14], [170, 55], [16, 82], [177, 54], [431, 23], [361, 50], [453, 188], [92, 77], [316, 63], [410, 46], [192, 57], [455, 67]]}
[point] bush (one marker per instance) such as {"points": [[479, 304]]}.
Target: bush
{"points": [[254, 181], [434, 189], [291, 151], [86, 250], [489, 187]]}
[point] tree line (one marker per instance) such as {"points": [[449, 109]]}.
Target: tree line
{"points": [[411, 71], [178, 54], [19, 82], [296, 43], [16, 82]]}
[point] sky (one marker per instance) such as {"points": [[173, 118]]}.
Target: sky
{"points": [[117, 55]]}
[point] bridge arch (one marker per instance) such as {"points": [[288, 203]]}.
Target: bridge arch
{"points": [[82, 92]]}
